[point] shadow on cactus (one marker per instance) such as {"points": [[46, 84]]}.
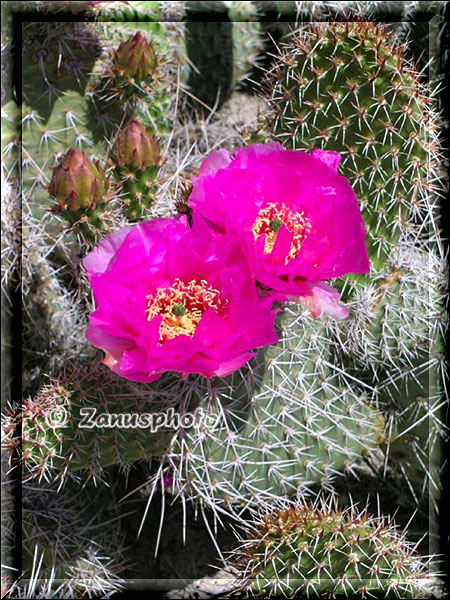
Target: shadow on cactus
{"points": [[73, 538]]}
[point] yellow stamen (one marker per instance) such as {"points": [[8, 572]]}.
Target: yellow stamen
{"points": [[182, 306], [268, 223]]}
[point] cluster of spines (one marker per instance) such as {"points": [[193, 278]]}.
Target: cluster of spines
{"points": [[49, 311], [393, 343], [348, 87], [54, 447], [277, 428], [318, 550]]}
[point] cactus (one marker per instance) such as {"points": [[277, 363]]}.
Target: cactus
{"points": [[348, 87], [302, 412], [285, 425], [81, 190], [327, 90], [142, 13], [137, 157], [65, 111], [221, 53], [247, 40], [56, 525], [317, 550], [54, 445], [79, 101], [393, 341], [133, 69]]}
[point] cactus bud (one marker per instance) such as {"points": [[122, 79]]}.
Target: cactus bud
{"points": [[135, 58], [136, 147], [77, 183]]}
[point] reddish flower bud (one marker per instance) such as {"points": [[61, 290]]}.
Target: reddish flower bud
{"points": [[77, 182], [136, 147], [135, 58]]}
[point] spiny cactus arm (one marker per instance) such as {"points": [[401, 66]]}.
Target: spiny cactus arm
{"points": [[84, 422], [318, 549], [139, 14], [349, 88], [136, 154], [275, 429], [415, 404]]}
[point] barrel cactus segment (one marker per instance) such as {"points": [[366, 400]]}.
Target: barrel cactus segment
{"points": [[136, 153], [348, 87], [318, 550]]}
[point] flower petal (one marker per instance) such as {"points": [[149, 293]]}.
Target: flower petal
{"points": [[324, 300]]}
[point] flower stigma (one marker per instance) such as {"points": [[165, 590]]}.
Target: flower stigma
{"points": [[269, 220], [181, 306]]}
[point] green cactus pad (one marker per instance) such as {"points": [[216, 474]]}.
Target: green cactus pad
{"points": [[275, 430], [54, 443], [322, 552], [347, 87]]}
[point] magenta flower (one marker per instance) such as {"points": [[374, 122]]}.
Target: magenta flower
{"points": [[296, 219], [170, 298]]}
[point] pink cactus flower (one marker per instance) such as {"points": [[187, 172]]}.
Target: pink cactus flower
{"points": [[171, 298], [297, 220]]}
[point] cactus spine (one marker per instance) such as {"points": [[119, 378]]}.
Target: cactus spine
{"points": [[275, 431], [320, 551], [59, 440], [348, 87]]}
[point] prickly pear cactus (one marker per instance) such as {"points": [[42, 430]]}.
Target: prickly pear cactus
{"points": [[66, 428], [320, 551], [277, 428], [348, 87]]}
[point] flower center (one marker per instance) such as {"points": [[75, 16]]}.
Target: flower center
{"points": [[269, 221], [182, 306]]}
